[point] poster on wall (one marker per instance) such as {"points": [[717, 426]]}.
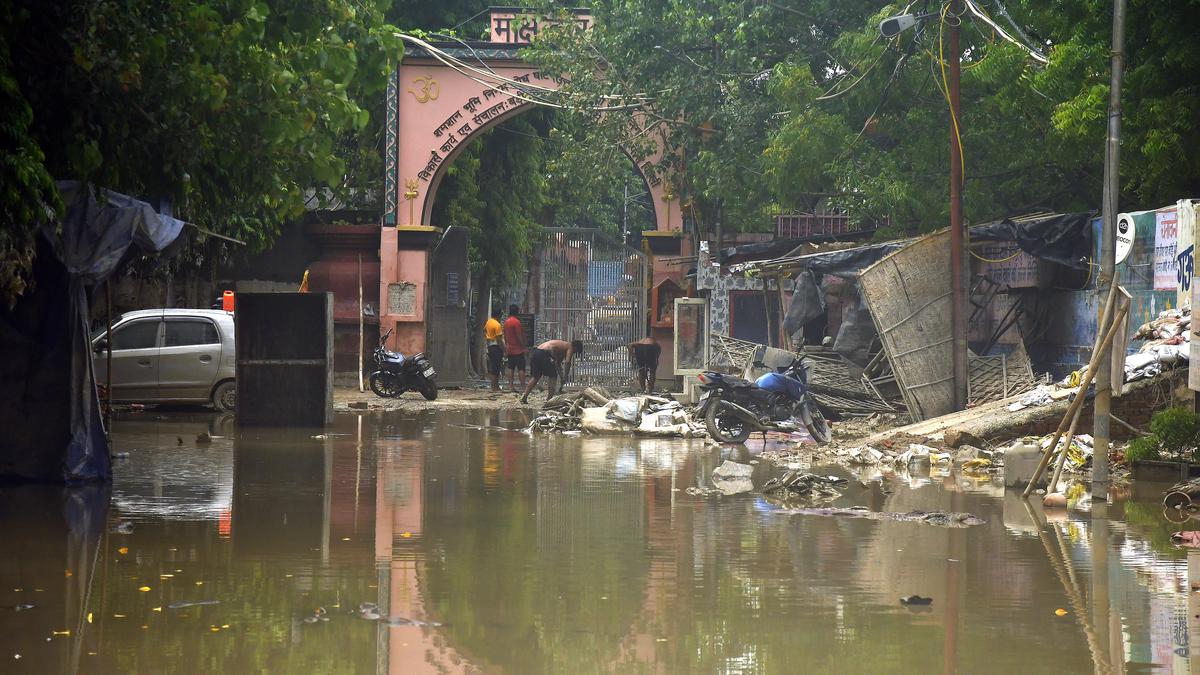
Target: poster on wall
{"points": [[1185, 252], [1166, 237]]}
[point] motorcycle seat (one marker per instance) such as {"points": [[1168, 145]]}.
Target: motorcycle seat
{"points": [[738, 383]]}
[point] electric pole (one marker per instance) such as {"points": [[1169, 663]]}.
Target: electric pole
{"points": [[1108, 266], [958, 273]]}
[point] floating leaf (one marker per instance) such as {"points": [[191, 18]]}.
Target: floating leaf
{"points": [[1060, 611], [123, 550], [144, 589]]}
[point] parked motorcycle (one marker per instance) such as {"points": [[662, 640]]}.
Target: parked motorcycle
{"points": [[398, 373], [733, 407]]}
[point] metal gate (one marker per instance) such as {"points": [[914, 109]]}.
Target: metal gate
{"points": [[592, 288], [446, 318]]}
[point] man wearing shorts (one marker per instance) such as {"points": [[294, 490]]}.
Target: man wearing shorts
{"points": [[514, 346], [494, 333], [644, 354], [552, 359]]}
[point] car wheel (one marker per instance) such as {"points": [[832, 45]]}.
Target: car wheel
{"points": [[224, 397]]}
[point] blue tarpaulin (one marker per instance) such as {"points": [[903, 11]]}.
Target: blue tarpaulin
{"points": [[100, 231]]}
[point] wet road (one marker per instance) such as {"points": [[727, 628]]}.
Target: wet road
{"points": [[491, 551]]}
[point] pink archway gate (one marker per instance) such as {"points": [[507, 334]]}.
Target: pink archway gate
{"points": [[435, 107]]}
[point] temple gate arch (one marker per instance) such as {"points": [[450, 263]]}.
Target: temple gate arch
{"points": [[435, 107]]}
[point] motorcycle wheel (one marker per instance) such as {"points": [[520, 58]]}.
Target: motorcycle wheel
{"points": [[724, 428], [428, 389], [818, 428], [385, 385]]}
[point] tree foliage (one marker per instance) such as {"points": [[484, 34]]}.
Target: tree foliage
{"points": [[776, 105], [232, 110]]}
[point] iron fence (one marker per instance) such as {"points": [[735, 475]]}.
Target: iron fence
{"points": [[592, 288]]}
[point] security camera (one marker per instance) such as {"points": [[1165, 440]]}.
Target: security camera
{"points": [[895, 25]]}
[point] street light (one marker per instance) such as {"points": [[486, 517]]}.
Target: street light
{"points": [[895, 25]]}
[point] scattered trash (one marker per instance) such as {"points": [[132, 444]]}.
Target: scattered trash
{"points": [[1055, 500], [195, 603], [938, 518], [795, 483], [359, 405], [594, 411], [704, 492], [1168, 344], [863, 456], [124, 527], [1038, 397], [1189, 538], [1182, 495], [916, 600]]}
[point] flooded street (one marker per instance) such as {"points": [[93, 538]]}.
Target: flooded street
{"points": [[409, 542]]}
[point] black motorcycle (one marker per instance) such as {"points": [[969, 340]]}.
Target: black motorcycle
{"points": [[398, 373], [733, 407]]}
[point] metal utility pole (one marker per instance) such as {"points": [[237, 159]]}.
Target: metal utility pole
{"points": [[1108, 265], [958, 279]]}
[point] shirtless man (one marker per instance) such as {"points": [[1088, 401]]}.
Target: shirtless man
{"points": [[644, 354], [552, 359]]}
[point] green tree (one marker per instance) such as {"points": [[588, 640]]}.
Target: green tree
{"points": [[232, 110], [783, 105]]}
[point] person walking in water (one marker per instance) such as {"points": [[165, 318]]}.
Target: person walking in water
{"points": [[551, 359], [514, 346], [644, 354], [494, 333]]}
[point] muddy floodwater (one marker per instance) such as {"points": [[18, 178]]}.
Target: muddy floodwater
{"points": [[407, 542]]}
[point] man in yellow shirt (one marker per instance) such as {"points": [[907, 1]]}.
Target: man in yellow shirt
{"points": [[494, 332]]}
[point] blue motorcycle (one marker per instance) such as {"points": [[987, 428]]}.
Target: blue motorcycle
{"points": [[733, 407]]}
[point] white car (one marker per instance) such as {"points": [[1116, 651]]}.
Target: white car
{"points": [[169, 356]]}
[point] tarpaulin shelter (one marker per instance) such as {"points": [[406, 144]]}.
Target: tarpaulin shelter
{"points": [[49, 406], [1065, 239]]}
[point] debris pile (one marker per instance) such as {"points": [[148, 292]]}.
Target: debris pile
{"points": [[938, 518], [593, 410], [809, 486], [1168, 344]]}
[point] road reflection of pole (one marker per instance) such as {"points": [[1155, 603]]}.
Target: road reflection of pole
{"points": [[1101, 610], [957, 547], [1065, 573], [357, 471], [1193, 610]]}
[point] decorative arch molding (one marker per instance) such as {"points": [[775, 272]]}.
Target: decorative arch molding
{"points": [[434, 111]]}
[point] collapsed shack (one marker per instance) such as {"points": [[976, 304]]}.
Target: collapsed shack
{"points": [[893, 334], [594, 410]]}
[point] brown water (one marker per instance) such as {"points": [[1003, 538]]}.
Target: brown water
{"points": [[555, 555]]}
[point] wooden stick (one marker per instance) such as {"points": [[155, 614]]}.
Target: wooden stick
{"points": [[1062, 456], [1089, 375]]}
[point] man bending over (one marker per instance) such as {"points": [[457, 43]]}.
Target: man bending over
{"points": [[644, 353], [551, 359]]}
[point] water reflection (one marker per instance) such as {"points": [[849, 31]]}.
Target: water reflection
{"points": [[493, 551]]}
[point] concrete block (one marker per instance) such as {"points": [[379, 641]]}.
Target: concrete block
{"points": [[1020, 462]]}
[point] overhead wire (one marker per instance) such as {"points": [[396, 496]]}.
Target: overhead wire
{"points": [[983, 16]]}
